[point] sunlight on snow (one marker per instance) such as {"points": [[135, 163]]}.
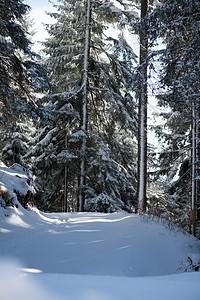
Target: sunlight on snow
{"points": [[3, 230], [31, 270], [17, 221], [49, 220], [92, 219]]}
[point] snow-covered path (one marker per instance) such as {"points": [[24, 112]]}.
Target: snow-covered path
{"points": [[127, 255]]}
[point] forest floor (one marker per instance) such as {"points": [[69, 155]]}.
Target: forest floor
{"points": [[93, 256]]}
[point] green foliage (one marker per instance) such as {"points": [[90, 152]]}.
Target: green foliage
{"points": [[111, 119], [177, 23], [20, 77]]}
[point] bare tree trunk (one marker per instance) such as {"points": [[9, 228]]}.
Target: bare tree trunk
{"points": [[65, 181], [65, 189], [142, 130], [194, 159], [198, 167], [84, 105]]}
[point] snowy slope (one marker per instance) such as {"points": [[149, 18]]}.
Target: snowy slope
{"points": [[94, 256], [90, 256]]}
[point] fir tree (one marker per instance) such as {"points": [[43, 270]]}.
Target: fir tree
{"points": [[20, 77], [178, 23], [111, 110]]}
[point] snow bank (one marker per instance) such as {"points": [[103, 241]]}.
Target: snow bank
{"points": [[17, 283], [118, 244], [75, 287], [16, 185], [92, 256]]}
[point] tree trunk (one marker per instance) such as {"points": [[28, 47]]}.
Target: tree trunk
{"points": [[198, 167], [142, 130], [65, 189], [84, 105], [194, 160], [65, 181]]}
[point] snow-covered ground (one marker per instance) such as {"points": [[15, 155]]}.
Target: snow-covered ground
{"points": [[91, 256]]}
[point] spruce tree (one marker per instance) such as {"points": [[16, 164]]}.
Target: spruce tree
{"points": [[111, 111], [178, 23], [20, 77]]}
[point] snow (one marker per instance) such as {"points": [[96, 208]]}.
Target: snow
{"points": [[65, 156], [77, 136], [15, 178], [94, 256], [83, 256]]}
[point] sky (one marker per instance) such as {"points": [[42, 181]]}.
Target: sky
{"points": [[38, 14], [38, 3]]}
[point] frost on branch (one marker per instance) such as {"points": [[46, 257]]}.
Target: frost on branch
{"points": [[103, 203], [65, 156]]}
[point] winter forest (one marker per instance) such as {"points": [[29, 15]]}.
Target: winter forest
{"points": [[75, 116], [100, 151]]}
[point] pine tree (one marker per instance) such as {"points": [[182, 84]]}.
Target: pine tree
{"points": [[20, 76], [178, 22], [111, 111], [173, 168]]}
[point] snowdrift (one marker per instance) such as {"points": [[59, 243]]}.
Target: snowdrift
{"points": [[16, 185], [91, 256]]}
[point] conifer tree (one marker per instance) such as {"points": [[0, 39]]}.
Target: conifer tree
{"points": [[20, 76], [111, 111], [178, 23]]}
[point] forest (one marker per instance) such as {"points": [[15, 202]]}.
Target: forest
{"points": [[76, 114]]}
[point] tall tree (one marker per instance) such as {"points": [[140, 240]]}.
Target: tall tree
{"points": [[142, 130], [84, 102], [111, 110], [174, 167], [178, 23], [20, 76]]}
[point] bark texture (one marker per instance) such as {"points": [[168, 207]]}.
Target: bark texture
{"points": [[81, 199], [142, 130]]}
